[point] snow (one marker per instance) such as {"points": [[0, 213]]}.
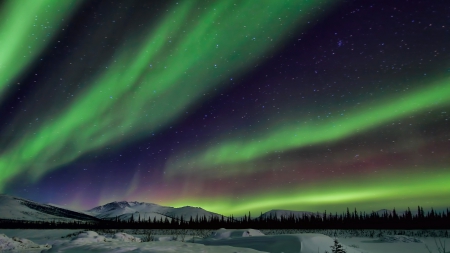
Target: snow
{"points": [[15, 208], [183, 241], [399, 238], [150, 247], [68, 208], [124, 237], [255, 239], [15, 244], [371, 245], [90, 241], [125, 209], [143, 216], [312, 243], [11, 208], [235, 233], [219, 241]]}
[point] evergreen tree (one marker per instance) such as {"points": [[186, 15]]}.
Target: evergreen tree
{"points": [[394, 214], [337, 248], [181, 220], [408, 215]]}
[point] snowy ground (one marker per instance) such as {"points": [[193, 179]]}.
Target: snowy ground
{"points": [[221, 241]]}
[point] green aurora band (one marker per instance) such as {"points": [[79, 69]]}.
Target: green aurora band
{"points": [[25, 30], [390, 190], [298, 135], [188, 54]]}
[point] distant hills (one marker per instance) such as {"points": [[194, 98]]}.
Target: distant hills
{"points": [[124, 210], [15, 208]]}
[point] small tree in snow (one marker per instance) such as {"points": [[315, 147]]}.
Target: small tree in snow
{"points": [[337, 248]]}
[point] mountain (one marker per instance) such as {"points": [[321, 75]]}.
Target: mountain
{"points": [[14, 208], [67, 208], [124, 210]]}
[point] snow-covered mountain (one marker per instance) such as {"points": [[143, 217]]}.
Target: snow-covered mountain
{"points": [[15, 208], [125, 209], [67, 208]]}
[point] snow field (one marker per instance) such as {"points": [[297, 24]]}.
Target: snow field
{"points": [[221, 241]]}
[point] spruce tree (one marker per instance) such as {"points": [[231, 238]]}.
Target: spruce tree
{"points": [[337, 248]]}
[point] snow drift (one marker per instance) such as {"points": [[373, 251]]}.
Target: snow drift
{"points": [[18, 244]]}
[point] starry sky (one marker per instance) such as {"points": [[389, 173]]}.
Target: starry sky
{"points": [[233, 106]]}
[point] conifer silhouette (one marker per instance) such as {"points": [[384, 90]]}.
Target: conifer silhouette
{"points": [[337, 247]]}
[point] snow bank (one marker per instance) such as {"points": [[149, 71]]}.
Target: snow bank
{"points": [[234, 233], [93, 237], [88, 237], [124, 237], [16, 243], [399, 238]]}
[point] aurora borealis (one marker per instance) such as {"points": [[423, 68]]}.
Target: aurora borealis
{"points": [[26, 31], [229, 105]]}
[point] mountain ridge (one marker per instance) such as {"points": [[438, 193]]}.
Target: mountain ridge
{"points": [[124, 210], [16, 208]]}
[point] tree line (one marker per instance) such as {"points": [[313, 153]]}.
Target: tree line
{"points": [[347, 220]]}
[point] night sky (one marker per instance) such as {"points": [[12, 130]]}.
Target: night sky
{"points": [[233, 106]]}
